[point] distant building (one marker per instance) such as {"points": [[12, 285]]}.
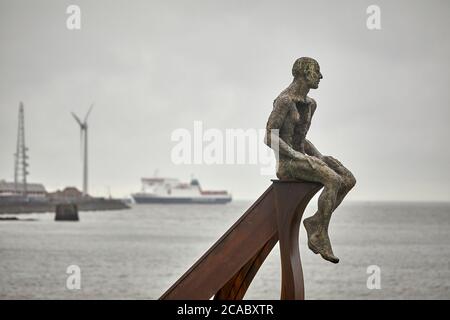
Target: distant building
{"points": [[10, 189], [67, 194]]}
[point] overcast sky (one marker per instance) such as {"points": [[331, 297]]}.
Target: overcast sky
{"points": [[154, 66]]}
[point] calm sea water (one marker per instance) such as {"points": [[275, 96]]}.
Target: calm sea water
{"points": [[139, 253]]}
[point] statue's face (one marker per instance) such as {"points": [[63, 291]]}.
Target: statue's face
{"points": [[313, 75]]}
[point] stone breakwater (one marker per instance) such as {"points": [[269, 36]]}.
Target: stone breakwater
{"points": [[92, 204]]}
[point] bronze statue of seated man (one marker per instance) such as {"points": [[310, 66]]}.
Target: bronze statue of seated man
{"points": [[299, 159]]}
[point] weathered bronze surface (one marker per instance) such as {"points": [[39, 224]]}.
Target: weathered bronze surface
{"points": [[299, 159]]}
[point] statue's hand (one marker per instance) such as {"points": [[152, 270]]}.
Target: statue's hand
{"points": [[332, 160], [313, 161], [317, 161]]}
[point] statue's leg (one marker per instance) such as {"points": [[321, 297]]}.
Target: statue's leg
{"points": [[348, 180], [317, 225]]}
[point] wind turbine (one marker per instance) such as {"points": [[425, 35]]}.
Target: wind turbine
{"points": [[84, 130]]}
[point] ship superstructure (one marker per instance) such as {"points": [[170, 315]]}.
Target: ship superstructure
{"points": [[169, 190]]}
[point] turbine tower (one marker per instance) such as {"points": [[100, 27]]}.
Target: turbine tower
{"points": [[84, 131], [20, 157]]}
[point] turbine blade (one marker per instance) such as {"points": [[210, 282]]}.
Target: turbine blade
{"points": [[87, 114], [76, 119]]}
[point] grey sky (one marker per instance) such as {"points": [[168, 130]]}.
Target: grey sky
{"points": [[154, 66]]}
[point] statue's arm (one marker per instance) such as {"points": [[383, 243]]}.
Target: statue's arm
{"points": [[311, 150], [274, 124]]}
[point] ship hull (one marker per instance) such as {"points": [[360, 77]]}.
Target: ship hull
{"points": [[174, 200]]}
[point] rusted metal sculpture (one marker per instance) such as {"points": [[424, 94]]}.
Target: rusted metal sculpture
{"points": [[226, 270]]}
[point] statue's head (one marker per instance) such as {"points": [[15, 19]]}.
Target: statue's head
{"points": [[308, 70]]}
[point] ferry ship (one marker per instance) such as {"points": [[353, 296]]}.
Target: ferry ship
{"points": [[169, 190]]}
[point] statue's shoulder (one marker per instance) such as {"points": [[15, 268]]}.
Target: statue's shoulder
{"points": [[311, 102], [283, 100]]}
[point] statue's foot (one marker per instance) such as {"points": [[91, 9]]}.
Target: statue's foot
{"points": [[328, 255], [318, 240], [311, 229]]}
